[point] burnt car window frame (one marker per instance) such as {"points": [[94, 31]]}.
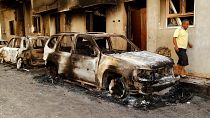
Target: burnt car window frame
{"points": [[60, 41], [26, 41], [108, 42], [36, 42], [9, 44], [55, 44], [126, 39], [92, 42], [15, 43]]}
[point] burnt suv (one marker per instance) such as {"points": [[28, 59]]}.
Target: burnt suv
{"points": [[24, 51], [108, 61]]}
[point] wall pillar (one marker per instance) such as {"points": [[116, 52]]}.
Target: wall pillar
{"points": [[20, 27], [153, 14]]}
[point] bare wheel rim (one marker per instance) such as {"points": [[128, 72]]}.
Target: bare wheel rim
{"points": [[19, 63], [53, 72], [117, 88]]}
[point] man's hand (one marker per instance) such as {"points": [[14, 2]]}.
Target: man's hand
{"points": [[190, 45], [176, 48], [175, 43]]}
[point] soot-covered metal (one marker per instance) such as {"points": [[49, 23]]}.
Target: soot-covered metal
{"points": [[97, 60]]}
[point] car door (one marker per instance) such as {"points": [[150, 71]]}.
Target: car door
{"points": [[37, 49], [5, 50], [11, 51], [85, 59], [63, 54], [50, 47]]}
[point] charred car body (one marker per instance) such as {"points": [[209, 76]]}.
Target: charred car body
{"points": [[3, 43], [100, 60], [24, 51]]}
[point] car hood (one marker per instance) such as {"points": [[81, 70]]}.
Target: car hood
{"points": [[144, 59]]}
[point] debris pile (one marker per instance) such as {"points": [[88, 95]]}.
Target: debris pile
{"points": [[177, 94], [164, 51]]}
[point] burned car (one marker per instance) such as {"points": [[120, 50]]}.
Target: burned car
{"points": [[3, 43], [108, 62], [24, 51]]}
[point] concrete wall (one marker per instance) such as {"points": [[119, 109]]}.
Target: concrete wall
{"points": [[159, 35], [8, 15], [28, 19], [46, 25], [78, 23], [116, 22], [116, 19], [52, 25]]}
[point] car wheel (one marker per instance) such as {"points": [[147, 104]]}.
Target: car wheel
{"points": [[53, 73], [117, 88], [19, 63]]}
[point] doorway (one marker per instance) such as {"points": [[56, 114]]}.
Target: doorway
{"points": [[96, 21], [137, 23], [54, 24]]}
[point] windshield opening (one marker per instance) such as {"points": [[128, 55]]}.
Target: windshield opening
{"points": [[114, 44]]}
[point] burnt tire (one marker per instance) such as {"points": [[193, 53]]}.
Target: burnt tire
{"points": [[117, 88], [53, 73]]}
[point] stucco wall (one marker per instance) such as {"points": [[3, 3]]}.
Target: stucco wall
{"points": [[116, 19], [78, 23], [159, 35], [28, 19], [8, 15], [46, 25]]}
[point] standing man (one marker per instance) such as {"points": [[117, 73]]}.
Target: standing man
{"points": [[181, 43]]}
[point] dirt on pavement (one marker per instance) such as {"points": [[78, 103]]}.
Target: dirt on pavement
{"points": [[22, 96]]}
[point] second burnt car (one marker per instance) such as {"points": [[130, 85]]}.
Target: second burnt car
{"points": [[108, 61], [24, 51]]}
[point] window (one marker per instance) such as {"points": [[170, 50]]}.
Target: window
{"points": [[178, 10], [103, 44], [24, 43], [11, 27], [17, 43], [11, 43], [38, 43], [52, 42], [111, 44], [3, 43], [65, 44], [85, 47], [37, 24]]}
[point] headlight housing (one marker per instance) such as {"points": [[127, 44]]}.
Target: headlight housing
{"points": [[156, 74]]}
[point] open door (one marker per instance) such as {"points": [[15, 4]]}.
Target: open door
{"points": [[137, 21]]}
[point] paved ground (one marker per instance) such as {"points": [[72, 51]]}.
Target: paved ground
{"points": [[23, 97]]}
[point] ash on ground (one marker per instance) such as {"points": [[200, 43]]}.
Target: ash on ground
{"points": [[177, 94]]}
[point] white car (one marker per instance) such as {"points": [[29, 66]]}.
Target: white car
{"points": [[24, 51]]}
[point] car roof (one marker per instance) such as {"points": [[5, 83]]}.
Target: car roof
{"points": [[66, 33], [35, 37], [102, 34]]}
